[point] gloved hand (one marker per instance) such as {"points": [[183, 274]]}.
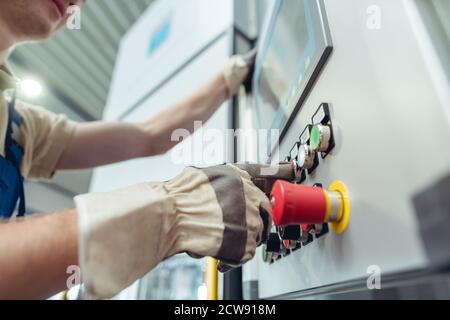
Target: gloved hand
{"points": [[204, 212], [264, 176], [238, 71]]}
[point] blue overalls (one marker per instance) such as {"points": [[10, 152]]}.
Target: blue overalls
{"points": [[11, 179]]}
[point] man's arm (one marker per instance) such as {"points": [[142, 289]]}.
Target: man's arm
{"points": [[35, 254], [101, 143]]}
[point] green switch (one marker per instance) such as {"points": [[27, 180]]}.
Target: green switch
{"points": [[265, 255], [320, 138], [315, 138]]}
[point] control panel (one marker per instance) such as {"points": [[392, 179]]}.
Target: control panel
{"points": [[303, 213], [353, 105]]}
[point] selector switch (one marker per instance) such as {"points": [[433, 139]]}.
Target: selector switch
{"points": [[273, 248], [321, 230], [320, 138], [291, 236], [273, 244], [291, 245], [307, 236], [290, 233]]}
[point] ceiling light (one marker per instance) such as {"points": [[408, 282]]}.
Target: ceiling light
{"points": [[30, 87]]}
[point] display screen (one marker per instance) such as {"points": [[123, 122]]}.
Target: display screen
{"points": [[281, 60], [288, 55]]}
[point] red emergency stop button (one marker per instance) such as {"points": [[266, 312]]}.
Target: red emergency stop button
{"points": [[294, 204], [297, 204]]}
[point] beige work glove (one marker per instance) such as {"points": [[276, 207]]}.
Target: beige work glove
{"points": [[238, 71], [215, 212], [265, 176]]}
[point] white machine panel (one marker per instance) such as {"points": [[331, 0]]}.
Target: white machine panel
{"points": [[162, 168], [169, 34], [391, 130], [168, 54]]}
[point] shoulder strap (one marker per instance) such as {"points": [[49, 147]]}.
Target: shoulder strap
{"points": [[13, 117], [14, 152]]}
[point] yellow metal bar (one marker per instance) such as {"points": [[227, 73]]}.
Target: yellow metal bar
{"points": [[211, 278]]}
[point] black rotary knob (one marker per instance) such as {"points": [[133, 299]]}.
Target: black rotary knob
{"points": [[293, 233], [273, 243]]}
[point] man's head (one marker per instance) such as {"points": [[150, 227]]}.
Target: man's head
{"points": [[30, 20]]}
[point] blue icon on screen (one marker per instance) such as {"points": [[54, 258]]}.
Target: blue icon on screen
{"points": [[160, 36]]}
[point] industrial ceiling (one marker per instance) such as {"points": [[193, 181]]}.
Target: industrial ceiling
{"points": [[75, 69]]}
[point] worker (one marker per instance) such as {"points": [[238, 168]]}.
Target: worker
{"points": [[114, 237]]}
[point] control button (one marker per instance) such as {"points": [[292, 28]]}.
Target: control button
{"points": [[306, 157], [266, 256], [290, 245], [290, 233], [318, 229], [273, 248], [273, 244], [294, 204], [306, 230], [320, 138], [322, 230]]}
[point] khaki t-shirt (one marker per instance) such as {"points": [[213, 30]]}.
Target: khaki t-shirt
{"points": [[42, 134]]}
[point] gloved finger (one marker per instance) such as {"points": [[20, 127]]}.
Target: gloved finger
{"points": [[262, 237], [230, 192], [266, 218], [282, 171], [240, 202], [264, 176], [250, 57], [263, 223], [250, 60]]}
